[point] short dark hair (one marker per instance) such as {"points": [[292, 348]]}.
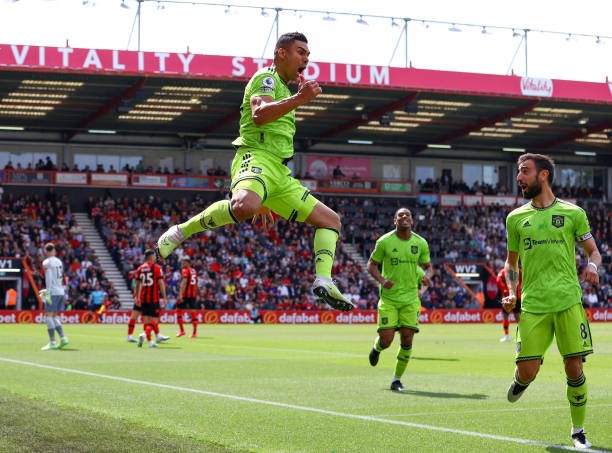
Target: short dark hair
{"points": [[287, 39], [49, 247], [542, 162], [149, 252]]}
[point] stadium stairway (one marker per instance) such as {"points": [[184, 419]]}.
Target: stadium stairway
{"points": [[358, 258], [113, 274]]}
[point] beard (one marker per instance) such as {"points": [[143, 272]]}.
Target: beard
{"points": [[533, 190]]}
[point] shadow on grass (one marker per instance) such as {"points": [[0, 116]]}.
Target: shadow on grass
{"points": [[445, 395], [593, 448], [442, 359]]}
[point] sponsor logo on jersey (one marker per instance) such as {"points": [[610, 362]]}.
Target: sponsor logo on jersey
{"points": [[526, 224]]}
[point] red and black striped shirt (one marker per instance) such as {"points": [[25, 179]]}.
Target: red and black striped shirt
{"points": [[190, 276], [149, 275]]}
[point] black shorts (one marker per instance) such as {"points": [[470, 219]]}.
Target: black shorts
{"points": [[188, 303], [150, 309]]}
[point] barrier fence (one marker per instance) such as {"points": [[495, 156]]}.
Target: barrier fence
{"points": [[486, 316], [215, 183]]}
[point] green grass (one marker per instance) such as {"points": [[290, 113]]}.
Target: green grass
{"points": [[276, 388]]}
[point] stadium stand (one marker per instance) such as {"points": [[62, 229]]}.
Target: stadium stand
{"points": [[28, 222], [242, 264]]}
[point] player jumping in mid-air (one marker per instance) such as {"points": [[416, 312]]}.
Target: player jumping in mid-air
{"points": [[261, 181]]}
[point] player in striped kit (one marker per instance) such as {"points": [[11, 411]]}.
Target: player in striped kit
{"points": [[187, 300], [150, 292]]}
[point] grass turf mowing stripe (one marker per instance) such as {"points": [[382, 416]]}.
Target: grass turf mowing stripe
{"points": [[296, 407]]}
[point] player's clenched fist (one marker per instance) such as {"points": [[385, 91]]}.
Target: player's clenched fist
{"points": [[508, 303], [308, 89]]}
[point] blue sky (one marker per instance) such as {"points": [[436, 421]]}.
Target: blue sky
{"points": [[219, 30]]}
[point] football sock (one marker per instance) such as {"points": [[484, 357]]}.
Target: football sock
{"points": [[50, 327], [325, 250], [58, 327], [195, 326], [577, 396], [506, 325], [148, 328], [155, 326], [217, 214], [131, 326], [179, 319], [403, 356], [377, 345]]}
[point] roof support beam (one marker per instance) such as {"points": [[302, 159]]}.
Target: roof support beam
{"points": [[490, 121], [109, 106], [581, 132], [371, 116], [231, 118]]}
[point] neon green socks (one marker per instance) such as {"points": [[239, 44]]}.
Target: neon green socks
{"points": [[577, 396], [325, 250], [217, 214], [403, 356]]}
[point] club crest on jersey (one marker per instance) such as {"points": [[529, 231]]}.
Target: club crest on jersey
{"points": [[414, 249], [558, 221]]}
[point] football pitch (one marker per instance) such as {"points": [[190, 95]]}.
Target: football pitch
{"points": [[287, 388]]}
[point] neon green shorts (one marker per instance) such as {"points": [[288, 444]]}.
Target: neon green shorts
{"points": [[569, 327], [392, 316], [268, 177]]}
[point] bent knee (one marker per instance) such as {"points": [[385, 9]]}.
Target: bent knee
{"points": [[335, 221], [245, 207]]}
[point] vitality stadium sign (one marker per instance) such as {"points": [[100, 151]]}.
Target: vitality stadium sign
{"points": [[97, 61]]}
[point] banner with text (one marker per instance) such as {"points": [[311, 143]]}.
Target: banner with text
{"points": [[279, 317], [65, 59], [322, 167]]}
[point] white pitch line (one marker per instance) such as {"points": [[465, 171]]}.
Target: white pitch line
{"points": [[476, 411], [301, 408]]}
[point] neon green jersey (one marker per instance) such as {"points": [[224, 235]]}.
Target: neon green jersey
{"points": [[545, 240], [400, 263], [275, 137]]}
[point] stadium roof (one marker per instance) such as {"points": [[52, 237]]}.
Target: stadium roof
{"points": [[64, 95]]}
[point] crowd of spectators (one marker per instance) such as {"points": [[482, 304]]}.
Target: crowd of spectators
{"points": [[448, 186], [29, 222], [241, 264], [238, 265]]}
